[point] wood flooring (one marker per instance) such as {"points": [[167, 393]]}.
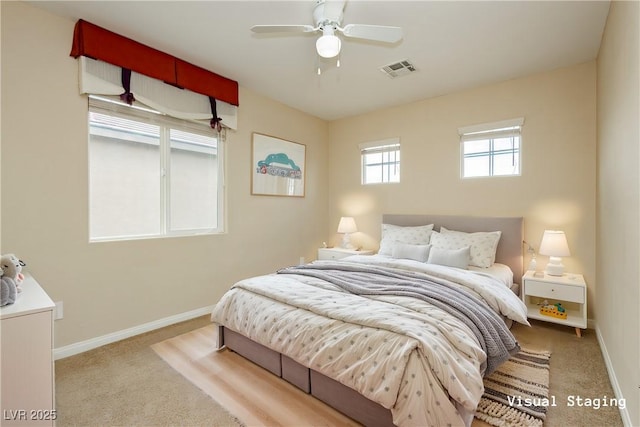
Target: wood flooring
{"points": [[251, 393]]}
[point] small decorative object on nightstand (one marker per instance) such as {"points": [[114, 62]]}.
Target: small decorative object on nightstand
{"points": [[533, 264], [339, 253], [540, 292]]}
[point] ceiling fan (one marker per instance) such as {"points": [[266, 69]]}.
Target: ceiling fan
{"points": [[327, 16]]}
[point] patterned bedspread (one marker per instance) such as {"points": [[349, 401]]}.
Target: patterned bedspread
{"points": [[401, 352]]}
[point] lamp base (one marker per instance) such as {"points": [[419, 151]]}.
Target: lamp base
{"points": [[346, 242], [555, 266]]}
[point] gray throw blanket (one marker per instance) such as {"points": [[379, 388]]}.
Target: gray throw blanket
{"points": [[490, 330]]}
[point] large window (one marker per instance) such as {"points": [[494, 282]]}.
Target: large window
{"points": [[491, 149], [151, 175], [380, 161]]}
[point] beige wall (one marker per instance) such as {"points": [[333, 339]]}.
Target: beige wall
{"points": [[108, 287], [618, 297], [557, 186]]}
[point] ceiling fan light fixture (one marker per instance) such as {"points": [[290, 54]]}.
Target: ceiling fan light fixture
{"points": [[328, 45], [327, 19]]}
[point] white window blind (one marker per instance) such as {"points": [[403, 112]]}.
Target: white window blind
{"points": [[380, 161], [491, 149], [101, 78]]}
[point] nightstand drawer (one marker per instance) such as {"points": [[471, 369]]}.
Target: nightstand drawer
{"points": [[339, 253], [555, 291], [327, 254]]}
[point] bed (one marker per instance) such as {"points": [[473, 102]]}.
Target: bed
{"points": [[402, 337]]}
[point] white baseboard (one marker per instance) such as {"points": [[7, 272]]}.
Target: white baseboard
{"points": [[80, 347], [624, 413]]}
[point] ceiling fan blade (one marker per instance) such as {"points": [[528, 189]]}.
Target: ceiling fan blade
{"points": [[283, 29], [379, 33]]}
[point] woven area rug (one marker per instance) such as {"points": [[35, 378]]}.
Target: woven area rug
{"points": [[517, 393]]}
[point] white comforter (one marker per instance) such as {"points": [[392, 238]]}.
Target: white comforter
{"points": [[403, 353]]}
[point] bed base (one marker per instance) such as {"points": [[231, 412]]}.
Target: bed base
{"points": [[338, 396]]}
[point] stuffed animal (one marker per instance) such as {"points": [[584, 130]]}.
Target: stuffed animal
{"points": [[8, 290], [12, 267]]}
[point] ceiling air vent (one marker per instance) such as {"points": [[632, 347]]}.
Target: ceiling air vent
{"points": [[398, 69]]}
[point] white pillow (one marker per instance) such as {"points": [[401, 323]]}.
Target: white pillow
{"points": [[420, 235], [450, 257], [483, 244], [409, 251]]}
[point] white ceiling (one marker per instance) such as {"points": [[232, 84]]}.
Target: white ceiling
{"points": [[454, 45]]}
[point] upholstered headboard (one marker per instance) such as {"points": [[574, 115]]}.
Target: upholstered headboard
{"points": [[509, 248]]}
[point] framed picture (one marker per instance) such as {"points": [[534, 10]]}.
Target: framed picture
{"points": [[277, 167]]}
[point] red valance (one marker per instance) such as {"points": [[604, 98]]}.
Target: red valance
{"points": [[95, 42]]}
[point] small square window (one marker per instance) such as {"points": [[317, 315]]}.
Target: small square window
{"points": [[491, 150], [380, 162]]}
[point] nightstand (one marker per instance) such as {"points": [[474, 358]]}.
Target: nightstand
{"points": [[569, 288], [339, 253]]}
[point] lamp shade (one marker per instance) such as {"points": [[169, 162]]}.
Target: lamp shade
{"points": [[328, 46], [347, 225], [554, 243]]}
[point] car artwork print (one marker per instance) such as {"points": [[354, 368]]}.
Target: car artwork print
{"points": [[274, 164], [277, 167]]}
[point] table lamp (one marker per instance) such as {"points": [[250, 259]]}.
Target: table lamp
{"points": [[554, 244], [347, 225]]}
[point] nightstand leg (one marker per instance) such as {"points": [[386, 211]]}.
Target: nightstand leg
{"points": [[579, 332]]}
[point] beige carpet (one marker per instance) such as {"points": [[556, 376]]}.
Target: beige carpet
{"points": [[127, 384], [577, 369]]}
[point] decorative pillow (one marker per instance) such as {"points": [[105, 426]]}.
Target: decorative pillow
{"points": [[450, 257], [483, 244], [409, 251], [420, 235]]}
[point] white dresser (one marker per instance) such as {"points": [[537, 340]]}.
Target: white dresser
{"points": [[27, 375]]}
